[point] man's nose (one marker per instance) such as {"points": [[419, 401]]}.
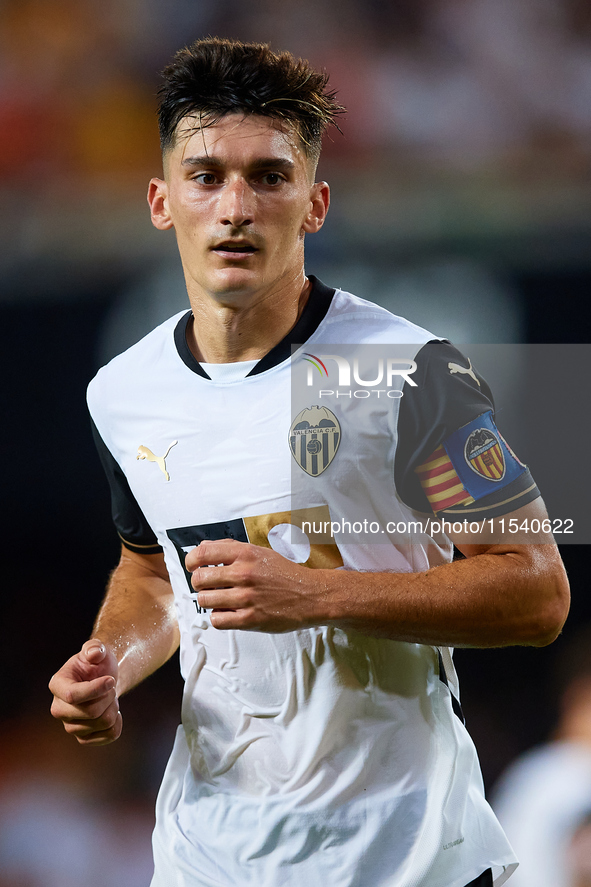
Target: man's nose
{"points": [[237, 204]]}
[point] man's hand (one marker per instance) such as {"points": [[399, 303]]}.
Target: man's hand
{"points": [[498, 595], [85, 696], [253, 588], [138, 631]]}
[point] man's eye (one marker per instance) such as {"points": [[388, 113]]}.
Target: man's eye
{"points": [[272, 178], [206, 178]]}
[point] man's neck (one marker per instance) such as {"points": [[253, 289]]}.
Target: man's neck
{"points": [[226, 333]]}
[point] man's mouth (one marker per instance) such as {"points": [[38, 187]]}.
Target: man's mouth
{"points": [[235, 247]]}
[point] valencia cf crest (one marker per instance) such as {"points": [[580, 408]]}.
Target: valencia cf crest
{"points": [[314, 439], [484, 455]]}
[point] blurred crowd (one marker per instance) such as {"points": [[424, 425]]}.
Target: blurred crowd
{"points": [[461, 83], [467, 119]]}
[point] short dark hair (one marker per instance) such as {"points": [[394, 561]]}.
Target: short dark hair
{"points": [[214, 77]]}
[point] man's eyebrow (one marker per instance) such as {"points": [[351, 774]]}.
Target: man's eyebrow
{"points": [[205, 160], [209, 161], [282, 163]]}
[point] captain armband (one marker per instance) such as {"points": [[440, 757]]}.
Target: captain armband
{"points": [[471, 464]]}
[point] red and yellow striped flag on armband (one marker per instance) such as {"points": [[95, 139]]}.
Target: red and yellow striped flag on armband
{"points": [[440, 482]]}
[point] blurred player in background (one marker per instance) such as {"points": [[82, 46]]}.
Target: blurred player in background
{"points": [[578, 854], [543, 799], [322, 738]]}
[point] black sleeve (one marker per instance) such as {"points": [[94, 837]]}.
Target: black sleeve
{"points": [[130, 523], [450, 395]]}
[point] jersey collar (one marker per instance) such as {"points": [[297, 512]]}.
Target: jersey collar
{"points": [[313, 314]]}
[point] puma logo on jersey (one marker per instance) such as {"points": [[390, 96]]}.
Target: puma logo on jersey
{"points": [[456, 368], [146, 453]]}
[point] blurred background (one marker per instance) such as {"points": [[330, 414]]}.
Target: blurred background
{"points": [[461, 199]]}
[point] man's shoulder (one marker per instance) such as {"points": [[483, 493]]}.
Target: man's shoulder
{"points": [[138, 361], [373, 321]]}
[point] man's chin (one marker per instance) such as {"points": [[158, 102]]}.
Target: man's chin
{"points": [[234, 283]]}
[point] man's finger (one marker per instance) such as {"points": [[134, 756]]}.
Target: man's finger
{"points": [[84, 711], [93, 661], [218, 599], [211, 577], [78, 692], [99, 657], [94, 651], [84, 727], [103, 737], [220, 551], [225, 620]]}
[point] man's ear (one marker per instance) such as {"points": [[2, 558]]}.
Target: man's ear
{"points": [[158, 202], [319, 203]]}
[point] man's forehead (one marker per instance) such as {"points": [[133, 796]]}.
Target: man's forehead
{"points": [[237, 129]]}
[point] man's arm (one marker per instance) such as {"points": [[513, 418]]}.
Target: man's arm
{"points": [[499, 595], [136, 632]]}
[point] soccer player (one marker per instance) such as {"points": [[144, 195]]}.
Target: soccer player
{"points": [[322, 741]]}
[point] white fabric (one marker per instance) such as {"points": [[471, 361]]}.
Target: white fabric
{"points": [[316, 757], [229, 372], [539, 801]]}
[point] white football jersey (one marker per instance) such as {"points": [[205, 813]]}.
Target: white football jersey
{"points": [[320, 756]]}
